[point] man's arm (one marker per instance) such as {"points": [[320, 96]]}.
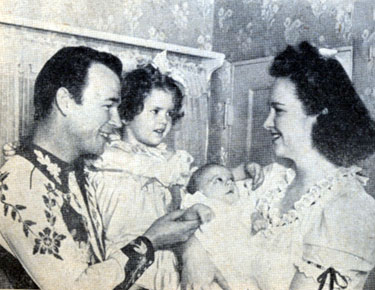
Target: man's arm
{"points": [[33, 228]]}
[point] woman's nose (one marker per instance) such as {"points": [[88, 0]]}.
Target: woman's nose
{"points": [[269, 123]]}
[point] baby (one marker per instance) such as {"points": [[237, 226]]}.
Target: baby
{"points": [[225, 238]]}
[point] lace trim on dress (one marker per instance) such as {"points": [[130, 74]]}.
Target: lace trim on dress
{"points": [[320, 192]]}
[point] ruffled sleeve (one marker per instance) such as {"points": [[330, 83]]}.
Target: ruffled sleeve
{"points": [[339, 237], [168, 168]]}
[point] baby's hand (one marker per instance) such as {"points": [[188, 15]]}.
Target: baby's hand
{"points": [[198, 211], [258, 223]]}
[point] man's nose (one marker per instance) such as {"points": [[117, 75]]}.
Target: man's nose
{"points": [[115, 120], [269, 123]]}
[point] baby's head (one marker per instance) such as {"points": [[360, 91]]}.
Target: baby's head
{"points": [[214, 181], [151, 104]]}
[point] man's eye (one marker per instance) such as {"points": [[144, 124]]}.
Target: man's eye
{"points": [[278, 110]]}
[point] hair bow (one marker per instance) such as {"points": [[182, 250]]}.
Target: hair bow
{"points": [[162, 63], [326, 52]]}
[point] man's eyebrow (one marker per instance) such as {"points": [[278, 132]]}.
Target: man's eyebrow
{"points": [[114, 100], [272, 104]]}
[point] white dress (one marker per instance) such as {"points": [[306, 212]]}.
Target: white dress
{"points": [[132, 184], [332, 226], [226, 238]]}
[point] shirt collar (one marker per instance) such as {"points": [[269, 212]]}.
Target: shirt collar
{"points": [[50, 165]]}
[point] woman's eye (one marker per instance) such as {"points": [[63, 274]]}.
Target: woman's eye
{"points": [[220, 179], [155, 112]]}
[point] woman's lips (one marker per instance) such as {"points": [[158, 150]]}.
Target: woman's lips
{"points": [[159, 131]]}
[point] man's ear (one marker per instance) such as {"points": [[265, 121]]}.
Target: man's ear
{"points": [[63, 101]]}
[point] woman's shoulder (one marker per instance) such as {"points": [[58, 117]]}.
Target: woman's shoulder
{"points": [[349, 209]]}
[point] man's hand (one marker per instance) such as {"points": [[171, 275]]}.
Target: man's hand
{"points": [[171, 229]]}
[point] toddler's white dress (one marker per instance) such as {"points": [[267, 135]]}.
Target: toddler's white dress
{"points": [[132, 184]]}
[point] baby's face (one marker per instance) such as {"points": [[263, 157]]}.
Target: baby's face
{"points": [[218, 183]]}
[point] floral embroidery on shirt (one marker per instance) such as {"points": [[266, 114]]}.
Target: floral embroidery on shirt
{"points": [[48, 244], [44, 243], [14, 209], [52, 168]]}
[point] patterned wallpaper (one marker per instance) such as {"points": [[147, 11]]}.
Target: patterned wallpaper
{"points": [[247, 29], [188, 23]]}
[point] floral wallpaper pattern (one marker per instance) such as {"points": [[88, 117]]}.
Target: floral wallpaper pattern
{"points": [[23, 58], [249, 29], [187, 22]]}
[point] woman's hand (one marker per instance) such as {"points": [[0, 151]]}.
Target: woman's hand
{"points": [[255, 172], [258, 223], [250, 170]]}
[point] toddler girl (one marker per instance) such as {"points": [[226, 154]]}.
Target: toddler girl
{"points": [[137, 179]]}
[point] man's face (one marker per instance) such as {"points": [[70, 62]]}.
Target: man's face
{"points": [[96, 117]]}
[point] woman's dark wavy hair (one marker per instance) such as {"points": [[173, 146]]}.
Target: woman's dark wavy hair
{"points": [[137, 86], [344, 132]]}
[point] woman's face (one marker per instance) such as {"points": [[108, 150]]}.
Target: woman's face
{"points": [[288, 123]]}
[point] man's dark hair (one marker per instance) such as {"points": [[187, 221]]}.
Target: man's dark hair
{"points": [[344, 132], [68, 68]]}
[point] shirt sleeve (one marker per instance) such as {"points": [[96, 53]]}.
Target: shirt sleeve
{"points": [[33, 230], [340, 236]]}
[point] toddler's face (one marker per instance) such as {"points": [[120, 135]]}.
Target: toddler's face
{"points": [[218, 183], [153, 124]]}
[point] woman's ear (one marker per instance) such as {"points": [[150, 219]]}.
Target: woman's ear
{"points": [[124, 122], [63, 101]]}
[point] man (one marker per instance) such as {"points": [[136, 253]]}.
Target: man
{"points": [[50, 222]]}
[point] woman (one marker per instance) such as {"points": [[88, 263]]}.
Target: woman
{"points": [[320, 222]]}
